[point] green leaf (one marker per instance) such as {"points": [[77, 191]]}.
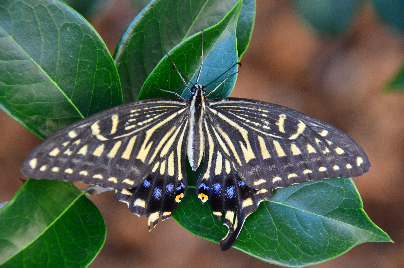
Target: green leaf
{"points": [[245, 26], [50, 224], [397, 83], [220, 54], [328, 17], [157, 29], [303, 224], [392, 12], [55, 69]]}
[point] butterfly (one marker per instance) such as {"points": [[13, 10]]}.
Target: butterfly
{"points": [[246, 148]]}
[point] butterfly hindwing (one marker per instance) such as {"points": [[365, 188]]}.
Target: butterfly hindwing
{"points": [[220, 183], [165, 186], [117, 148]]}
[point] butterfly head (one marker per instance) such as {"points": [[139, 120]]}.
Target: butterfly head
{"points": [[197, 88]]}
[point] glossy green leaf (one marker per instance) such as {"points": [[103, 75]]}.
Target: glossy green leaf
{"points": [[391, 11], [55, 69], [300, 225], [50, 224], [245, 26], [162, 25], [328, 17], [220, 53]]}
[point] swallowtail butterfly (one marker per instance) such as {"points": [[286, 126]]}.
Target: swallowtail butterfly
{"points": [[248, 149]]}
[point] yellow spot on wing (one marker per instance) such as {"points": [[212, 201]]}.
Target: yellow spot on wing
{"points": [[178, 197], [163, 167], [292, 175], [72, 134], [128, 181], [77, 142], [260, 181], [322, 169], [275, 179], [262, 191], [83, 172], [115, 120], [219, 164], [98, 176], [247, 202], [95, 128], [310, 149], [140, 203], [324, 133], [69, 170], [83, 150], [153, 218], [113, 179], [125, 192], [335, 167], [279, 149], [217, 213], [155, 166], [348, 166], [66, 143], [98, 152], [129, 148], [230, 215], [359, 161], [263, 147], [179, 154], [43, 168], [203, 197], [227, 166], [300, 129], [281, 122], [33, 163], [54, 152], [307, 171], [295, 150], [170, 164], [211, 149], [339, 150], [114, 149], [55, 169], [68, 152]]}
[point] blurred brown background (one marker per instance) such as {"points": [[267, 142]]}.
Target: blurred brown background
{"points": [[339, 81]]}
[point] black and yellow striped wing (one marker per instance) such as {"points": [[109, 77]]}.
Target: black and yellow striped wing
{"points": [[254, 147], [135, 146]]}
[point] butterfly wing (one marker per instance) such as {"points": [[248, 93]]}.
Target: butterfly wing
{"points": [[117, 148], [254, 147], [274, 146], [220, 183]]}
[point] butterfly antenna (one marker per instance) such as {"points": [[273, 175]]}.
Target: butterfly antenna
{"points": [[200, 68], [220, 84], [175, 93], [237, 63], [179, 73]]}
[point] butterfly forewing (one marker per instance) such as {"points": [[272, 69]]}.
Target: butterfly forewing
{"points": [[117, 148], [273, 146]]}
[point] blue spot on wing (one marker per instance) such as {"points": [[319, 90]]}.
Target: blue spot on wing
{"points": [[157, 193], [146, 183], [230, 192]]}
